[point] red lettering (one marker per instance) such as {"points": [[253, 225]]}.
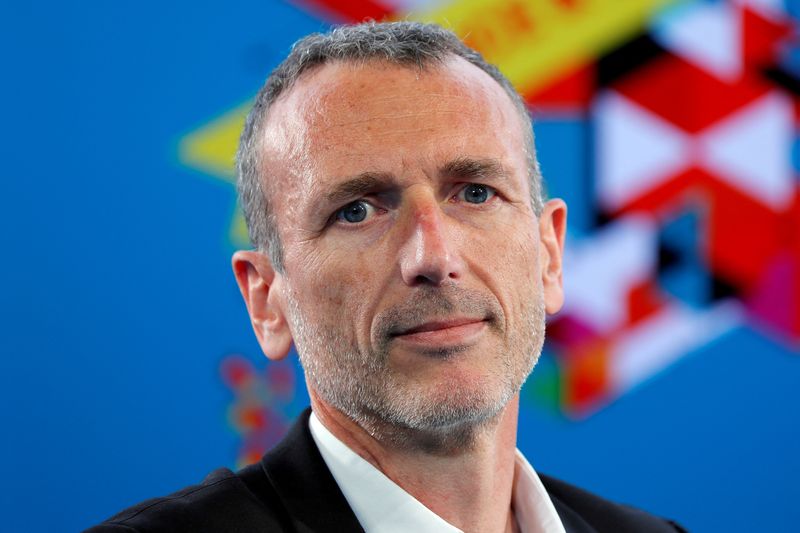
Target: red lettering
{"points": [[492, 31]]}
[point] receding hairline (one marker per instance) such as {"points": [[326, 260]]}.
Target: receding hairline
{"points": [[433, 66], [404, 44]]}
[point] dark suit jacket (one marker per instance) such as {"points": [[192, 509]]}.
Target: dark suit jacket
{"points": [[292, 490]]}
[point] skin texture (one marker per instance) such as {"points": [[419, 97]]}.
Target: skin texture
{"points": [[417, 325]]}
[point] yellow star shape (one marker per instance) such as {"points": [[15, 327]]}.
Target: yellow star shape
{"points": [[211, 149], [534, 43]]}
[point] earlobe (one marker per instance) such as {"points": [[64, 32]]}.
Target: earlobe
{"points": [[552, 231], [261, 288]]}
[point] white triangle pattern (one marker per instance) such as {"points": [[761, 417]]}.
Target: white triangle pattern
{"points": [[751, 150], [660, 340], [706, 35], [600, 271], [638, 150]]}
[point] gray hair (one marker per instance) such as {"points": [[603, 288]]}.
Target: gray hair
{"points": [[410, 44]]}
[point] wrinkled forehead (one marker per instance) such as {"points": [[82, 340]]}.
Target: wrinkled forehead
{"points": [[336, 115], [332, 93]]}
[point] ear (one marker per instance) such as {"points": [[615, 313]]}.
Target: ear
{"points": [[552, 229], [262, 291]]}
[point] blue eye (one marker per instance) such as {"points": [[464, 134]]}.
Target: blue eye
{"points": [[475, 193], [355, 212]]}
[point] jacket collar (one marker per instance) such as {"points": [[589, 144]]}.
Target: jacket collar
{"points": [[313, 499], [305, 485]]}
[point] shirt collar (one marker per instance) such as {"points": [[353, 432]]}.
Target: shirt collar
{"points": [[382, 506]]}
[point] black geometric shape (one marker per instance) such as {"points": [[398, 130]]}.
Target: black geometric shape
{"points": [[601, 218], [722, 289], [628, 57], [783, 79], [668, 257]]}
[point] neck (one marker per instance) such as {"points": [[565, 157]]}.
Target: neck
{"points": [[467, 482]]}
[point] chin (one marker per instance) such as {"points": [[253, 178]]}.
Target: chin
{"points": [[447, 403], [441, 423]]}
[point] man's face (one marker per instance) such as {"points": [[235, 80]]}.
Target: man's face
{"points": [[412, 282]]}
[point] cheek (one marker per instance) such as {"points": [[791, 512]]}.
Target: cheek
{"points": [[512, 249], [333, 284], [526, 261], [513, 265]]}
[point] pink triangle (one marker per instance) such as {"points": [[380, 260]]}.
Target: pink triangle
{"points": [[773, 300]]}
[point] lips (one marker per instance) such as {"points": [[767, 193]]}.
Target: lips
{"points": [[441, 325], [432, 319], [437, 335]]}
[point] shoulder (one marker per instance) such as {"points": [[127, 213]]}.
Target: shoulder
{"points": [[290, 489], [573, 503], [223, 501]]}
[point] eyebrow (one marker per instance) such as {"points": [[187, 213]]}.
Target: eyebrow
{"points": [[475, 169], [461, 168], [358, 186]]}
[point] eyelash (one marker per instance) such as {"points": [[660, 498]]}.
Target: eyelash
{"points": [[338, 216], [490, 190]]}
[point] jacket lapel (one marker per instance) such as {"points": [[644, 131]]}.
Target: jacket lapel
{"points": [[314, 501], [305, 485], [572, 521]]}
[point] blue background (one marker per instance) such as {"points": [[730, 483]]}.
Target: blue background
{"points": [[118, 303]]}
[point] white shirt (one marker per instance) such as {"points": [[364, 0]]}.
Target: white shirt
{"points": [[382, 506]]}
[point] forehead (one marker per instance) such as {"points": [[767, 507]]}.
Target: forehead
{"points": [[346, 94], [345, 118]]}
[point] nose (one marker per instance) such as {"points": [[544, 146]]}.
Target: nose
{"points": [[429, 254]]}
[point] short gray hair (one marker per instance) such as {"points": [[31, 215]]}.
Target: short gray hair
{"points": [[410, 44]]}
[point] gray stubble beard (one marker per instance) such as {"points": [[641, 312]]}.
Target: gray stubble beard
{"points": [[366, 390]]}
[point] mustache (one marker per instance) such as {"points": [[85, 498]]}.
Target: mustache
{"points": [[435, 303]]}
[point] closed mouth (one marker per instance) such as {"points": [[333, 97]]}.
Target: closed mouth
{"points": [[440, 325]]}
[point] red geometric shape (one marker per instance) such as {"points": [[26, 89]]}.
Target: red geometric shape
{"points": [[793, 220], [670, 197], [644, 299], [346, 10], [743, 234], [796, 105], [761, 38], [774, 301], [687, 96], [567, 330], [586, 379], [572, 92]]}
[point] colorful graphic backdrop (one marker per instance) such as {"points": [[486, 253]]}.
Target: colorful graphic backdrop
{"points": [[670, 127]]}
